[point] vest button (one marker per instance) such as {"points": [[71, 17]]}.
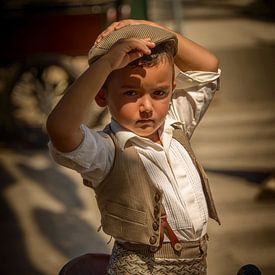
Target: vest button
{"points": [[156, 211], [157, 197], [153, 240], [155, 226]]}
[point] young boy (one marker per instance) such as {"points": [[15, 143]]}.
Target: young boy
{"points": [[152, 193]]}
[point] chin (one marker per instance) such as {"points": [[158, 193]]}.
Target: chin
{"points": [[153, 135], [144, 133]]}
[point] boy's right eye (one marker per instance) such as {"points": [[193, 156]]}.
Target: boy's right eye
{"points": [[130, 93]]}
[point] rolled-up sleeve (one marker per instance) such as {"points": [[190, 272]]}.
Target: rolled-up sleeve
{"points": [[192, 96], [92, 158]]}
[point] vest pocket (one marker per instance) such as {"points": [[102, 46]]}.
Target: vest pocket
{"points": [[126, 214]]}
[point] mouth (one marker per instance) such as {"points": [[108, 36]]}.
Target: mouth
{"points": [[144, 123]]}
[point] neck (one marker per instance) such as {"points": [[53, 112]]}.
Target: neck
{"points": [[155, 138]]}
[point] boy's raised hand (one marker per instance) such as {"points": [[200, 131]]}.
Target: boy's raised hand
{"points": [[123, 23], [125, 51]]}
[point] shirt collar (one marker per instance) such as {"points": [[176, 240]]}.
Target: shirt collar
{"points": [[123, 135]]}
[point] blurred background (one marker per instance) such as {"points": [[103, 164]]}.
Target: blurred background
{"points": [[47, 215]]}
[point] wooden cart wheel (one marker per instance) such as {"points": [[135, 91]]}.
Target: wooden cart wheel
{"points": [[37, 87]]}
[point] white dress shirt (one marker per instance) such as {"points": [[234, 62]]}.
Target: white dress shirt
{"points": [[168, 165]]}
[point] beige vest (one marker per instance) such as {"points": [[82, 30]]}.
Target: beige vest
{"points": [[129, 202]]}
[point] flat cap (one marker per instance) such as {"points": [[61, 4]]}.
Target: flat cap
{"points": [[157, 35]]}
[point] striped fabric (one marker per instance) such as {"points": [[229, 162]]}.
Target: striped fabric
{"points": [[184, 200]]}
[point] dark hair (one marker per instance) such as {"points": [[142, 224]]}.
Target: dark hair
{"points": [[162, 50]]}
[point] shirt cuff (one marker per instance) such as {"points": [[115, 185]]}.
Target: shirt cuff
{"points": [[186, 80], [77, 155]]}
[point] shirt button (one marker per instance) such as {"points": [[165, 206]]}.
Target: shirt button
{"points": [[155, 226], [157, 197], [153, 240], [178, 247]]}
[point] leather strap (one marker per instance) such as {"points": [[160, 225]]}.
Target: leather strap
{"points": [[166, 229]]}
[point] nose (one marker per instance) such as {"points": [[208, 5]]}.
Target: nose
{"points": [[146, 107]]}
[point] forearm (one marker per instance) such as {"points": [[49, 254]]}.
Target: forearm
{"points": [[191, 56], [63, 124]]}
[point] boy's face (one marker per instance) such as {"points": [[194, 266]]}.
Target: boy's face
{"points": [[138, 98]]}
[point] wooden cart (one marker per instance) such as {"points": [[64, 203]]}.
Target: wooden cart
{"points": [[38, 41]]}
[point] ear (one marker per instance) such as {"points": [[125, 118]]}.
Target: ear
{"points": [[101, 98]]}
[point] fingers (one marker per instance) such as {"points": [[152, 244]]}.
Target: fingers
{"points": [[134, 55], [143, 46], [108, 30], [126, 22], [125, 51], [116, 26], [121, 24]]}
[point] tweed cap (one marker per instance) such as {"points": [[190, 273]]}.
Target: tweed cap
{"points": [[157, 35]]}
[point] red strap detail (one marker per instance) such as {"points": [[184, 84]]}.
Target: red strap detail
{"points": [[165, 227], [161, 231]]}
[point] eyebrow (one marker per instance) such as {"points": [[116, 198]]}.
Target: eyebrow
{"points": [[129, 87], [135, 87]]}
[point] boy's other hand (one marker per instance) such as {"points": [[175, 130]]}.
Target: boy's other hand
{"points": [[123, 23], [125, 51]]}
